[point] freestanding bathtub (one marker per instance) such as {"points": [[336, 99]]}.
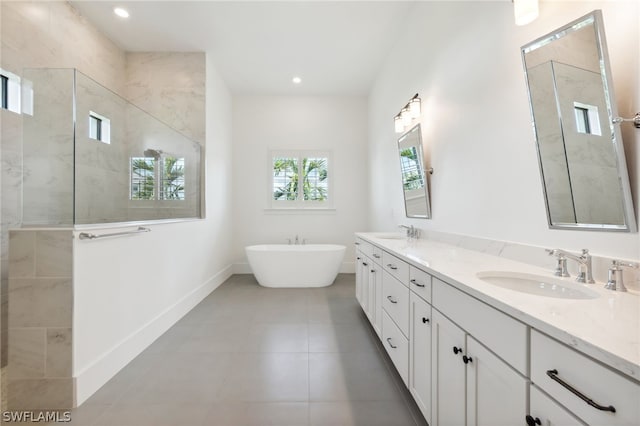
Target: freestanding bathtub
{"points": [[295, 265]]}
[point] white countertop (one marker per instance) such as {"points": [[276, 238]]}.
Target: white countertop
{"points": [[606, 328]]}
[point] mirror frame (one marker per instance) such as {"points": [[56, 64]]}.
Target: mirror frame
{"points": [[417, 129], [594, 18]]}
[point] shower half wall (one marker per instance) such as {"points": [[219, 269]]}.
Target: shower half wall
{"points": [[90, 158]]}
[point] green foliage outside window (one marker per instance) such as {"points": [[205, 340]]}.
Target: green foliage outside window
{"points": [[287, 178]]}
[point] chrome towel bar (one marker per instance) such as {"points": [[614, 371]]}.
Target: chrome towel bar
{"points": [[88, 236]]}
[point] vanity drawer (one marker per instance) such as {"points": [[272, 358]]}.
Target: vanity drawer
{"points": [[550, 358], [420, 283], [397, 346], [376, 254], [365, 247], [396, 267], [506, 336], [395, 301]]}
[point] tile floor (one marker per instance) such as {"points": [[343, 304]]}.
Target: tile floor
{"points": [[252, 356]]}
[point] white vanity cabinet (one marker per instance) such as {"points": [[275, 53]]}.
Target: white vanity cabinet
{"points": [[472, 386], [467, 362], [374, 292], [420, 354], [496, 393], [369, 282], [545, 411], [448, 406], [591, 391], [395, 312]]}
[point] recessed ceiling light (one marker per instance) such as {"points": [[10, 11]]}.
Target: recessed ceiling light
{"points": [[121, 12], [296, 80]]}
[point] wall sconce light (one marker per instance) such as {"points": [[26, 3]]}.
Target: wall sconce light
{"points": [[525, 11], [407, 114]]}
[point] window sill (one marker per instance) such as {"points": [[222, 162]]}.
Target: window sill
{"points": [[300, 210]]}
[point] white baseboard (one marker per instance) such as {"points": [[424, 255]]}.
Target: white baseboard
{"points": [[244, 268], [92, 378]]}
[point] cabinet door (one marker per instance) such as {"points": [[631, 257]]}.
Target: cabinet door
{"points": [[420, 354], [448, 394], [375, 298], [359, 276], [549, 412], [496, 393], [364, 283], [371, 292]]}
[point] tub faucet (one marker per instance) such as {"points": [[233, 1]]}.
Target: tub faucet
{"points": [[297, 241], [585, 274]]}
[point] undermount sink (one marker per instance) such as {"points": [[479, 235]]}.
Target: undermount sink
{"points": [[389, 236], [537, 285]]}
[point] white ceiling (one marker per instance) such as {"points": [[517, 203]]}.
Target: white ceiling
{"points": [[336, 47]]}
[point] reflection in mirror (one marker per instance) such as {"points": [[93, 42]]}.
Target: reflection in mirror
{"points": [[582, 162], [414, 181]]}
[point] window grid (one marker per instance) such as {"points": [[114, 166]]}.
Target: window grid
{"points": [[143, 177], [172, 179], [300, 179], [412, 176]]}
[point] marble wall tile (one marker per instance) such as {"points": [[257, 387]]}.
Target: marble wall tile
{"points": [[170, 86], [27, 351], [22, 256], [54, 256], [59, 352], [27, 394], [40, 302]]}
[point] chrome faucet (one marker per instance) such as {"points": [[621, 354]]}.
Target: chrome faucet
{"points": [[412, 232], [585, 274], [615, 281], [297, 241]]}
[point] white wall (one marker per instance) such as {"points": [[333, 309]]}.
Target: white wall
{"points": [[476, 121], [129, 290], [263, 123]]}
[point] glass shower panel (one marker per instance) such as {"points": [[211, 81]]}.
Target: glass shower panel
{"points": [[47, 186], [129, 165], [117, 164]]}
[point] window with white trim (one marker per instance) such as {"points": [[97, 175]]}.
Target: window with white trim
{"points": [[157, 178], [300, 179], [10, 96], [99, 127]]}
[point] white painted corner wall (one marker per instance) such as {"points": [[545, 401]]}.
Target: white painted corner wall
{"points": [[476, 122], [130, 290], [332, 123]]}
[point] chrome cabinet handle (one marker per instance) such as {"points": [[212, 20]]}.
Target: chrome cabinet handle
{"points": [[553, 374], [392, 266], [416, 283], [391, 344], [391, 299]]}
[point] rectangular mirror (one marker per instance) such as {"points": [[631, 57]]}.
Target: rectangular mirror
{"points": [[580, 151], [414, 178]]}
